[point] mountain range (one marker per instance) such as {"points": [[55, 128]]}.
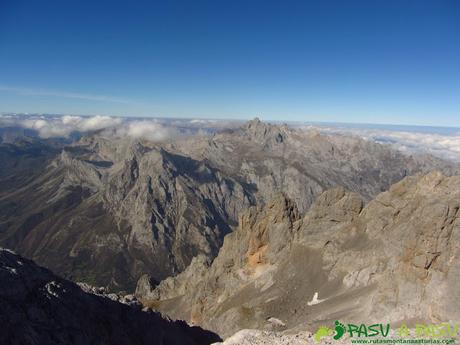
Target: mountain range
{"points": [[106, 210]]}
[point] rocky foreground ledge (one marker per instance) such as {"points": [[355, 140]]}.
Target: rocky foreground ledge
{"points": [[257, 337], [38, 307]]}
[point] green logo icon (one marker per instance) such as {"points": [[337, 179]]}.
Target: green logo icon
{"points": [[323, 332], [339, 329], [326, 331]]}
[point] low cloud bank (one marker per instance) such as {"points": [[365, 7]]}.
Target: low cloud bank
{"points": [[65, 125], [440, 142], [155, 129], [58, 126]]}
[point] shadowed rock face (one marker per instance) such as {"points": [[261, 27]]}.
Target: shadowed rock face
{"points": [[106, 211], [37, 307], [396, 259]]}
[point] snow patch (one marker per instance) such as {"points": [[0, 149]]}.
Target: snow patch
{"points": [[315, 300]]}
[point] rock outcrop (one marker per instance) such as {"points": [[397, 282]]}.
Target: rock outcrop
{"points": [[37, 307], [392, 260]]}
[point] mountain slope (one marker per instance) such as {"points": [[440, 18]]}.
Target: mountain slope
{"points": [[150, 212], [393, 260], [37, 307]]}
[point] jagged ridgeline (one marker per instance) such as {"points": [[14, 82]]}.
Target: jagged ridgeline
{"points": [[106, 210]]}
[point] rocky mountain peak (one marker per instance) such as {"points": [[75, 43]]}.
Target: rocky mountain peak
{"points": [[264, 132]]}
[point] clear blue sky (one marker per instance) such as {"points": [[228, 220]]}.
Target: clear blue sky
{"points": [[350, 61]]}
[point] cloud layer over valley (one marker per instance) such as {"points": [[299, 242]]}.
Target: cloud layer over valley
{"points": [[438, 141], [441, 142], [54, 126]]}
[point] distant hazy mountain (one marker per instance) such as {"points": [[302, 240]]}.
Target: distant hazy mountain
{"points": [[107, 209]]}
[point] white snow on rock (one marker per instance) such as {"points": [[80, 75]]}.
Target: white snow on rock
{"points": [[315, 300]]}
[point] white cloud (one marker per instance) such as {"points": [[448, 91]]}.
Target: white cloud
{"points": [[97, 122], [61, 126], [146, 129]]}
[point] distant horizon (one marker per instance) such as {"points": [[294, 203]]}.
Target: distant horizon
{"points": [[245, 119], [443, 142]]}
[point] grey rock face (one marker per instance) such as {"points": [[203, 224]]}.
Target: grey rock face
{"points": [[106, 211], [37, 307], [394, 260]]}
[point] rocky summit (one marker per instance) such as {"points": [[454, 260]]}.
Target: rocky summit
{"points": [[38, 307], [394, 259], [106, 210]]}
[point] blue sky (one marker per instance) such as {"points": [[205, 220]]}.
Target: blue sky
{"points": [[346, 61]]}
